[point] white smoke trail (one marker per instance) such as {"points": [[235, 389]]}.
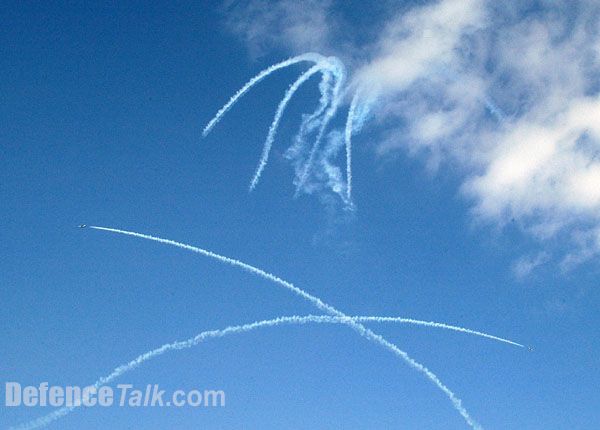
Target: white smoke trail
{"points": [[358, 112], [361, 329], [327, 170], [280, 110], [297, 153], [434, 324], [310, 122], [308, 57], [211, 334], [331, 96], [340, 75], [348, 140]]}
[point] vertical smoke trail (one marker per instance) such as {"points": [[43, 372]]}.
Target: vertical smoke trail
{"points": [[348, 140], [357, 116], [273, 129], [361, 329], [309, 57], [340, 75], [327, 170], [211, 334], [309, 122]]}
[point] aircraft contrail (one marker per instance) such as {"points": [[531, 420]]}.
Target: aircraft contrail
{"points": [[330, 67], [340, 75], [211, 334], [333, 89], [273, 129], [361, 329], [348, 141], [308, 57], [309, 122]]}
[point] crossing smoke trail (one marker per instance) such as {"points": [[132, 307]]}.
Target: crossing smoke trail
{"points": [[356, 326], [212, 334]]}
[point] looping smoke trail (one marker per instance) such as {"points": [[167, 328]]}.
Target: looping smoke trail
{"points": [[308, 57], [273, 129], [333, 88], [356, 326], [331, 96], [211, 334]]}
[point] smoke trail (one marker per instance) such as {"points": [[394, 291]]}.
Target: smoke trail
{"points": [[327, 170], [309, 122], [361, 329], [357, 116], [297, 152], [329, 103], [273, 129], [348, 140], [340, 75], [211, 334], [309, 57], [434, 324]]}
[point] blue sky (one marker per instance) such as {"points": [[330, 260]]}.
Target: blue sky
{"points": [[101, 123]]}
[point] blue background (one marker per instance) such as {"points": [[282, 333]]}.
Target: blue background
{"points": [[101, 114]]}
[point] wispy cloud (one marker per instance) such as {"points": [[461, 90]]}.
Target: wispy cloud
{"points": [[264, 25], [523, 267]]}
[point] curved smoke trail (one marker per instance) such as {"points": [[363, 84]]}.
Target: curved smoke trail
{"points": [[329, 104], [308, 57], [211, 334], [296, 152], [356, 326], [309, 122], [340, 75], [274, 125], [331, 98]]}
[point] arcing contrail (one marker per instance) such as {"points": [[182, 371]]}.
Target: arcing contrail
{"points": [[331, 87], [309, 57], [359, 328], [434, 324], [211, 334], [273, 129]]}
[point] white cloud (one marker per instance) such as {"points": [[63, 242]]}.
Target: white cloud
{"points": [[523, 267], [296, 25], [423, 39]]}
